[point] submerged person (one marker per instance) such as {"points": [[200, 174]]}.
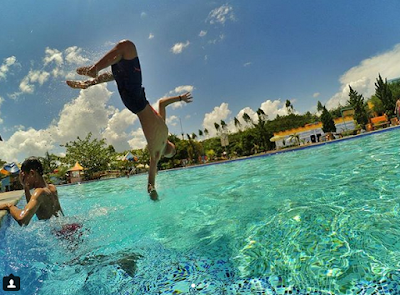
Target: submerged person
{"points": [[44, 200], [126, 71]]}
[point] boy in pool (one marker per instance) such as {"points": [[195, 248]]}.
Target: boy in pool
{"points": [[44, 200], [125, 66]]}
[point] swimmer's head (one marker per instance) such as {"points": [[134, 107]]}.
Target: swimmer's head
{"points": [[32, 163], [170, 150], [31, 171]]}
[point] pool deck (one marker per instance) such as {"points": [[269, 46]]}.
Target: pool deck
{"points": [[9, 197]]}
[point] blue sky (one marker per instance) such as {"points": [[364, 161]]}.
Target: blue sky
{"points": [[235, 57]]}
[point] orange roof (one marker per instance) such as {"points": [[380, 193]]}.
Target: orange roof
{"points": [[77, 167]]}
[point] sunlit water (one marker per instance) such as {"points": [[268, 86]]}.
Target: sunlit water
{"points": [[323, 220]]}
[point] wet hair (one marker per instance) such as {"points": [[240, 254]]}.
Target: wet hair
{"points": [[32, 163]]}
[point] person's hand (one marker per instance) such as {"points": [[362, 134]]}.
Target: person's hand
{"points": [[22, 179], [6, 206], [187, 97]]}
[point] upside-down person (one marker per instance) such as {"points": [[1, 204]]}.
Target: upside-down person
{"points": [[126, 71]]}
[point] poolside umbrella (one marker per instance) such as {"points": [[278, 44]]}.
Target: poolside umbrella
{"points": [[130, 157], [11, 168], [77, 167], [276, 138]]}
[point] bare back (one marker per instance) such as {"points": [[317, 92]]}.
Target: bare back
{"points": [[50, 205]]}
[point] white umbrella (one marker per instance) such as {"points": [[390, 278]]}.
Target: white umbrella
{"points": [[276, 138]]}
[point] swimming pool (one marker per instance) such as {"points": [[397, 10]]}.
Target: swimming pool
{"points": [[322, 220]]}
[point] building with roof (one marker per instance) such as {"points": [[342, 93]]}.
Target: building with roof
{"points": [[311, 133]]}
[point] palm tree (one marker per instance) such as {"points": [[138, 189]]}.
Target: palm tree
{"points": [[289, 106], [48, 162], [200, 133], [262, 117], [296, 138], [216, 125], [237, 124], [194, 136], [247, 119], [223, 125]]}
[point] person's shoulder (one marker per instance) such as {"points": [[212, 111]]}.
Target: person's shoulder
{"points": [[38, 192], [52, 188]]}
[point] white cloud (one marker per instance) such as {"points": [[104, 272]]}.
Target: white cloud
{"points": [[172, 120], [40, 77], [178, 47], [5, 66], [221, 14], [138, 141], [252, 114], [219, 39], [182, 89], [151, 36], [88, 112], [316, 94], [53, 55], [202, 33], [26, 143], [247, 64], [58, 72], [362, 77], [219, 113], [143, 14], [274, 108], [270, 108], [115, 132], [1, 101], [73, 55]]}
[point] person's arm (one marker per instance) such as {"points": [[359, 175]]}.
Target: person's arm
{"points": [[106, 77], [164, 102], [24, 216], [151, 185]]}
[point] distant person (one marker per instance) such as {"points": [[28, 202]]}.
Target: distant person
{"points": [[397, 109], [126, 71], [44, 200]]}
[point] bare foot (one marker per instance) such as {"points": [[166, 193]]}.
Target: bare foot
{"points": [[78, 84], [87, 71]]}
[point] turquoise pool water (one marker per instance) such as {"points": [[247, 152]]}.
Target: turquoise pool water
{"points": [[322, 220]]}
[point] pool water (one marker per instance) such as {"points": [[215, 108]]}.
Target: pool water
{"points": [[321, 220]]}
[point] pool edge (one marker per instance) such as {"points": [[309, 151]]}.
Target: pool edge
{"points": [[9, 197], [288, 150]]}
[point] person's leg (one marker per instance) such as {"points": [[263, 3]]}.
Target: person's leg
{"points": [[123, 50]]}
